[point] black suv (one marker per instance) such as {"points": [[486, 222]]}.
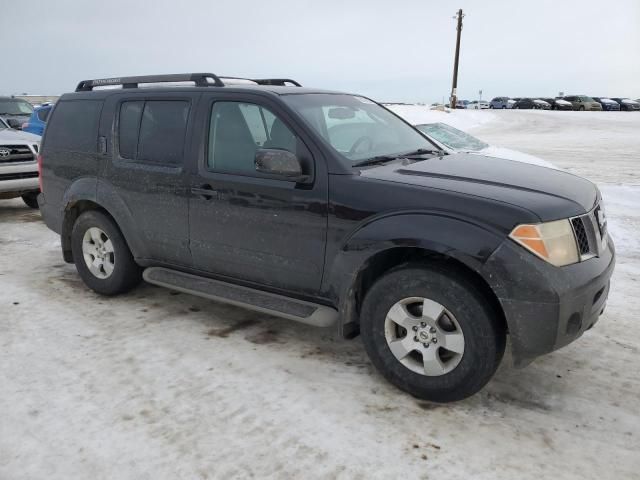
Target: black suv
{"points": [[328, 209]]}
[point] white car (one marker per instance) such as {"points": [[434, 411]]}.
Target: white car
{"points": [[455, 140], [478, 105], [18, 165]]}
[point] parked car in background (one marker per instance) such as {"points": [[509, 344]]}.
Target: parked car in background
{"points": [[328, 209], [462, 103], [627, 104], [38, 120], [18, 166], [456, 140], [15, 111], [531, 103], [582, 102], [478, 105], [501, 102], [607, 103], [557, 103]]}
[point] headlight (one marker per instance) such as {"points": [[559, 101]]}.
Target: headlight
{"points": [[552, 241]]}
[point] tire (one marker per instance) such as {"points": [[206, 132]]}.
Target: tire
{"points": [[491, 106], [115, 270], [456, 375], [504, 107], [31, 199], [582, 108]]}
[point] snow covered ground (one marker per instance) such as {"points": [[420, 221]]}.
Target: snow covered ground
{"points": [[154, 385]]}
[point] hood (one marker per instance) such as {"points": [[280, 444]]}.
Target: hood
{"points": [[550, 194], [563, 102], [628, 100], [11, 135], [607, 100]]}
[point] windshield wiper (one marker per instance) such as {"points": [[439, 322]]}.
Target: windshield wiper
{"points": [[413, 155], [375, 160], [421, 151]]}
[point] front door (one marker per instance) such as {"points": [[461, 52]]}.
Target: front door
{"points": [[243, 224]]}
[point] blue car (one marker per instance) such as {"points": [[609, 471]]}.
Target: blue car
{"points": [[38, 120]]}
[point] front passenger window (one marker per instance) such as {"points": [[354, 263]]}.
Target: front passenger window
{"points": [[237, 130]]}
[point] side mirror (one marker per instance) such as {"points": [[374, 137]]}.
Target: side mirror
{"points": [[273, 161], [13, 123]]}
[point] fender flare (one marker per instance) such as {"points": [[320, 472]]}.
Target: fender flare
{"points": [[449, 237], [104, 197]]}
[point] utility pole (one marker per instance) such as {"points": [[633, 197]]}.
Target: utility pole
{"points": [[454, 87]]}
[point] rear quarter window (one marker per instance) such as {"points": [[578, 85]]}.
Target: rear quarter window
{"points": [[74, 126]]}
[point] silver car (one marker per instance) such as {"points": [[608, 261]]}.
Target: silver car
{"points": [[18, 166], [501, 102]]}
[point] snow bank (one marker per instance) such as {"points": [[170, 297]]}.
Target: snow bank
{"points": [[462, 119]]}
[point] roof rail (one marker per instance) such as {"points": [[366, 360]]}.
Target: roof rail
{"points": [[281, 82], [200, 79]]}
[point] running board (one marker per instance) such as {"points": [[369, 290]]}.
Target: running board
{"points": [[252, 299]]}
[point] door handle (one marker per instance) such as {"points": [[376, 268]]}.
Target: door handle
{"points": [[205, 192]]}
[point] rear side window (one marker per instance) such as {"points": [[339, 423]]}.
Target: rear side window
{"points": [[75, 126], [153, 131], [128, 128]]}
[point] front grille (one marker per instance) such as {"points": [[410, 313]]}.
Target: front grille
{"points": [[581, 236], [590, 231], [17, 176], [17, 154]]}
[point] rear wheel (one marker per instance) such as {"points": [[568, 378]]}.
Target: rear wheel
{"points": [[31, 199], [102, 256], [582, 108], [431, 333]]}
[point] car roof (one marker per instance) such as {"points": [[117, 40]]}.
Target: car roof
{"points": [[261, 89]]}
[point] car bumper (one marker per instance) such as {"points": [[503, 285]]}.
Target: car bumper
{"points": [[547, 307], [611, 108], [50, 214], [19, 178]]}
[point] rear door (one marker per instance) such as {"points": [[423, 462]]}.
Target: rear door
{"points": [[243, 224], [147, 171]]}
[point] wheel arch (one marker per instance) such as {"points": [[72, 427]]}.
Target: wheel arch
{"points": [[429, 240], [74, 208]]}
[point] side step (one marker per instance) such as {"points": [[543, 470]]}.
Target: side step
{"points": [[252, 299]]}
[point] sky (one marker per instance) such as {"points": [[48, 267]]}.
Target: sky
{"points": [[394, 51]]}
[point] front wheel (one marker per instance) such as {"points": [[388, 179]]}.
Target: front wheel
{"points": [[432, 333], [102, 256], [31, 199]]}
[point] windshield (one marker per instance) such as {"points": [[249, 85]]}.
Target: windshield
{"points": [[452, 137], [15, 107], [356, 127]]}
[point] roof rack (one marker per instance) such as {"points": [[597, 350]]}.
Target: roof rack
{"points": [[200, 80], [280, 82]]}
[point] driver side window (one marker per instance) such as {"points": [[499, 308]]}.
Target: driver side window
{"points": [[237, 130]]}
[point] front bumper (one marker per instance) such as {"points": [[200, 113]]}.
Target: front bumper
{"points": [[18, 178], [547, 307]]}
